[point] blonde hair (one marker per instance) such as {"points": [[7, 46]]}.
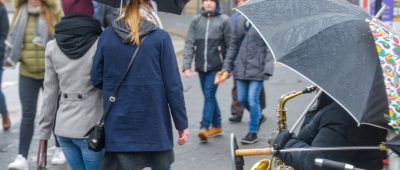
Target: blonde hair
{"points": [[133, 19], [48, 14]]}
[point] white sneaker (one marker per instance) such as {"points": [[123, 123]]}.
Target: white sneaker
{"points": [[58, 157], [20, 163]]}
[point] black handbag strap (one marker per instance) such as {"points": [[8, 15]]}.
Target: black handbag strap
{"points": [[112, 98]]}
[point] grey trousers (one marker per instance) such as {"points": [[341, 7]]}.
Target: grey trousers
{"points": [[28, 92]]}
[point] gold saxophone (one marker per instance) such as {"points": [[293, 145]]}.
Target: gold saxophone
{"points": [[265, 164], [282, 123]]}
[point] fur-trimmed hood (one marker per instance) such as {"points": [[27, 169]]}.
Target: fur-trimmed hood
{"points": [[53, 5]]}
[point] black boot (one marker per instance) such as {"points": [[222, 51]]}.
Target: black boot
{"points": [[250, 138], [235, 118]]}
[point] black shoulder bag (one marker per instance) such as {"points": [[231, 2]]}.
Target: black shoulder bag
{"points": [[96, 137]]}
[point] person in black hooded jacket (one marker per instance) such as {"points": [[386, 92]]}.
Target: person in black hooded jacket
{"points": [[72, 105], [329, 125], [3, 34]]}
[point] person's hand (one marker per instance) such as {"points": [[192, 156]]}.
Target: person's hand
{"points": [[187, 73], [183, 135], [281, 140], [221, 76]]}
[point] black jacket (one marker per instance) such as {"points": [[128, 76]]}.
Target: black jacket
{"points": [[3, 30], [333, 126]]}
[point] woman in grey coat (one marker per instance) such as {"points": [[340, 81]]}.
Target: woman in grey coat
{"points": [[72, 105], [250, 62]]}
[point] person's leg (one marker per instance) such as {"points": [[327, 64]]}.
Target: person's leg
{"points": [[3, 106], [254, 105], [237, 108], [263, 99], [167, 168], [72, 153], [242, 92], [91, 159], [28, 93], [210, 90], [216, 121]]}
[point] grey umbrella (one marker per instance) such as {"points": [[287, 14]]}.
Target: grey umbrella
{"points": [[330, 44]]}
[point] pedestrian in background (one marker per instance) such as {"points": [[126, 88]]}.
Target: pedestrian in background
{"points": [[207, 42], [105, 13], [250, 62], [68, 63], [32, 27], [138, 127], [237, 109], [4, 24]]}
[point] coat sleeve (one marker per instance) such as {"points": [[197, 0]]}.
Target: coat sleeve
{"points": [[50, 95], [188, 52], [236, 38], [322, 131], [96, 74], [4, 26], [227, 35], [173, 84]]}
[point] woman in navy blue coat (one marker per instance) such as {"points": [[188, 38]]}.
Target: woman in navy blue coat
{"points": [[138, 128]]}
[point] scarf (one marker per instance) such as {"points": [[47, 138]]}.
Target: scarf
{"points": [[15, 38], [75, 34]]}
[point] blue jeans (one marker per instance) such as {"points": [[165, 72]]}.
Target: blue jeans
{"points": [[249, 95], [3, 106], [78, 155], [211, 112]]}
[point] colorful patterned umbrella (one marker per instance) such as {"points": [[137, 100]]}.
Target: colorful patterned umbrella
{"points": [[387, 42]]}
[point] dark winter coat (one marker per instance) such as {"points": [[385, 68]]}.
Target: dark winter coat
{"points": [[152, 93], [3, 31], [332, 126], [207, 41], [248, 57]]}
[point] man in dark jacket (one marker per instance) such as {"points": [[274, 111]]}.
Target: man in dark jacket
{"points": [[250, 62], [207, 40], [237, 108], [332, 126]]}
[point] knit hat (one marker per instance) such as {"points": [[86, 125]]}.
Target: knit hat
{"points": [[82, 7], [216, 1]]}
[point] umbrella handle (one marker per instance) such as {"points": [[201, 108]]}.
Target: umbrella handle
{"points": [[253, 152], [380, 12]]}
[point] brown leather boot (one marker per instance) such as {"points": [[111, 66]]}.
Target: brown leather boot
{"points": [[6, 121]]}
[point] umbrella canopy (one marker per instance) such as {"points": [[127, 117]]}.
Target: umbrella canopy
{"points": [[394, 144], [330, 43], [170, 6], [387, 42]]}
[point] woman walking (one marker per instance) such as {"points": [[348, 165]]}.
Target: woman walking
{"points": [[69, 60], [6, 123], [138, 128], [32, 27]]}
